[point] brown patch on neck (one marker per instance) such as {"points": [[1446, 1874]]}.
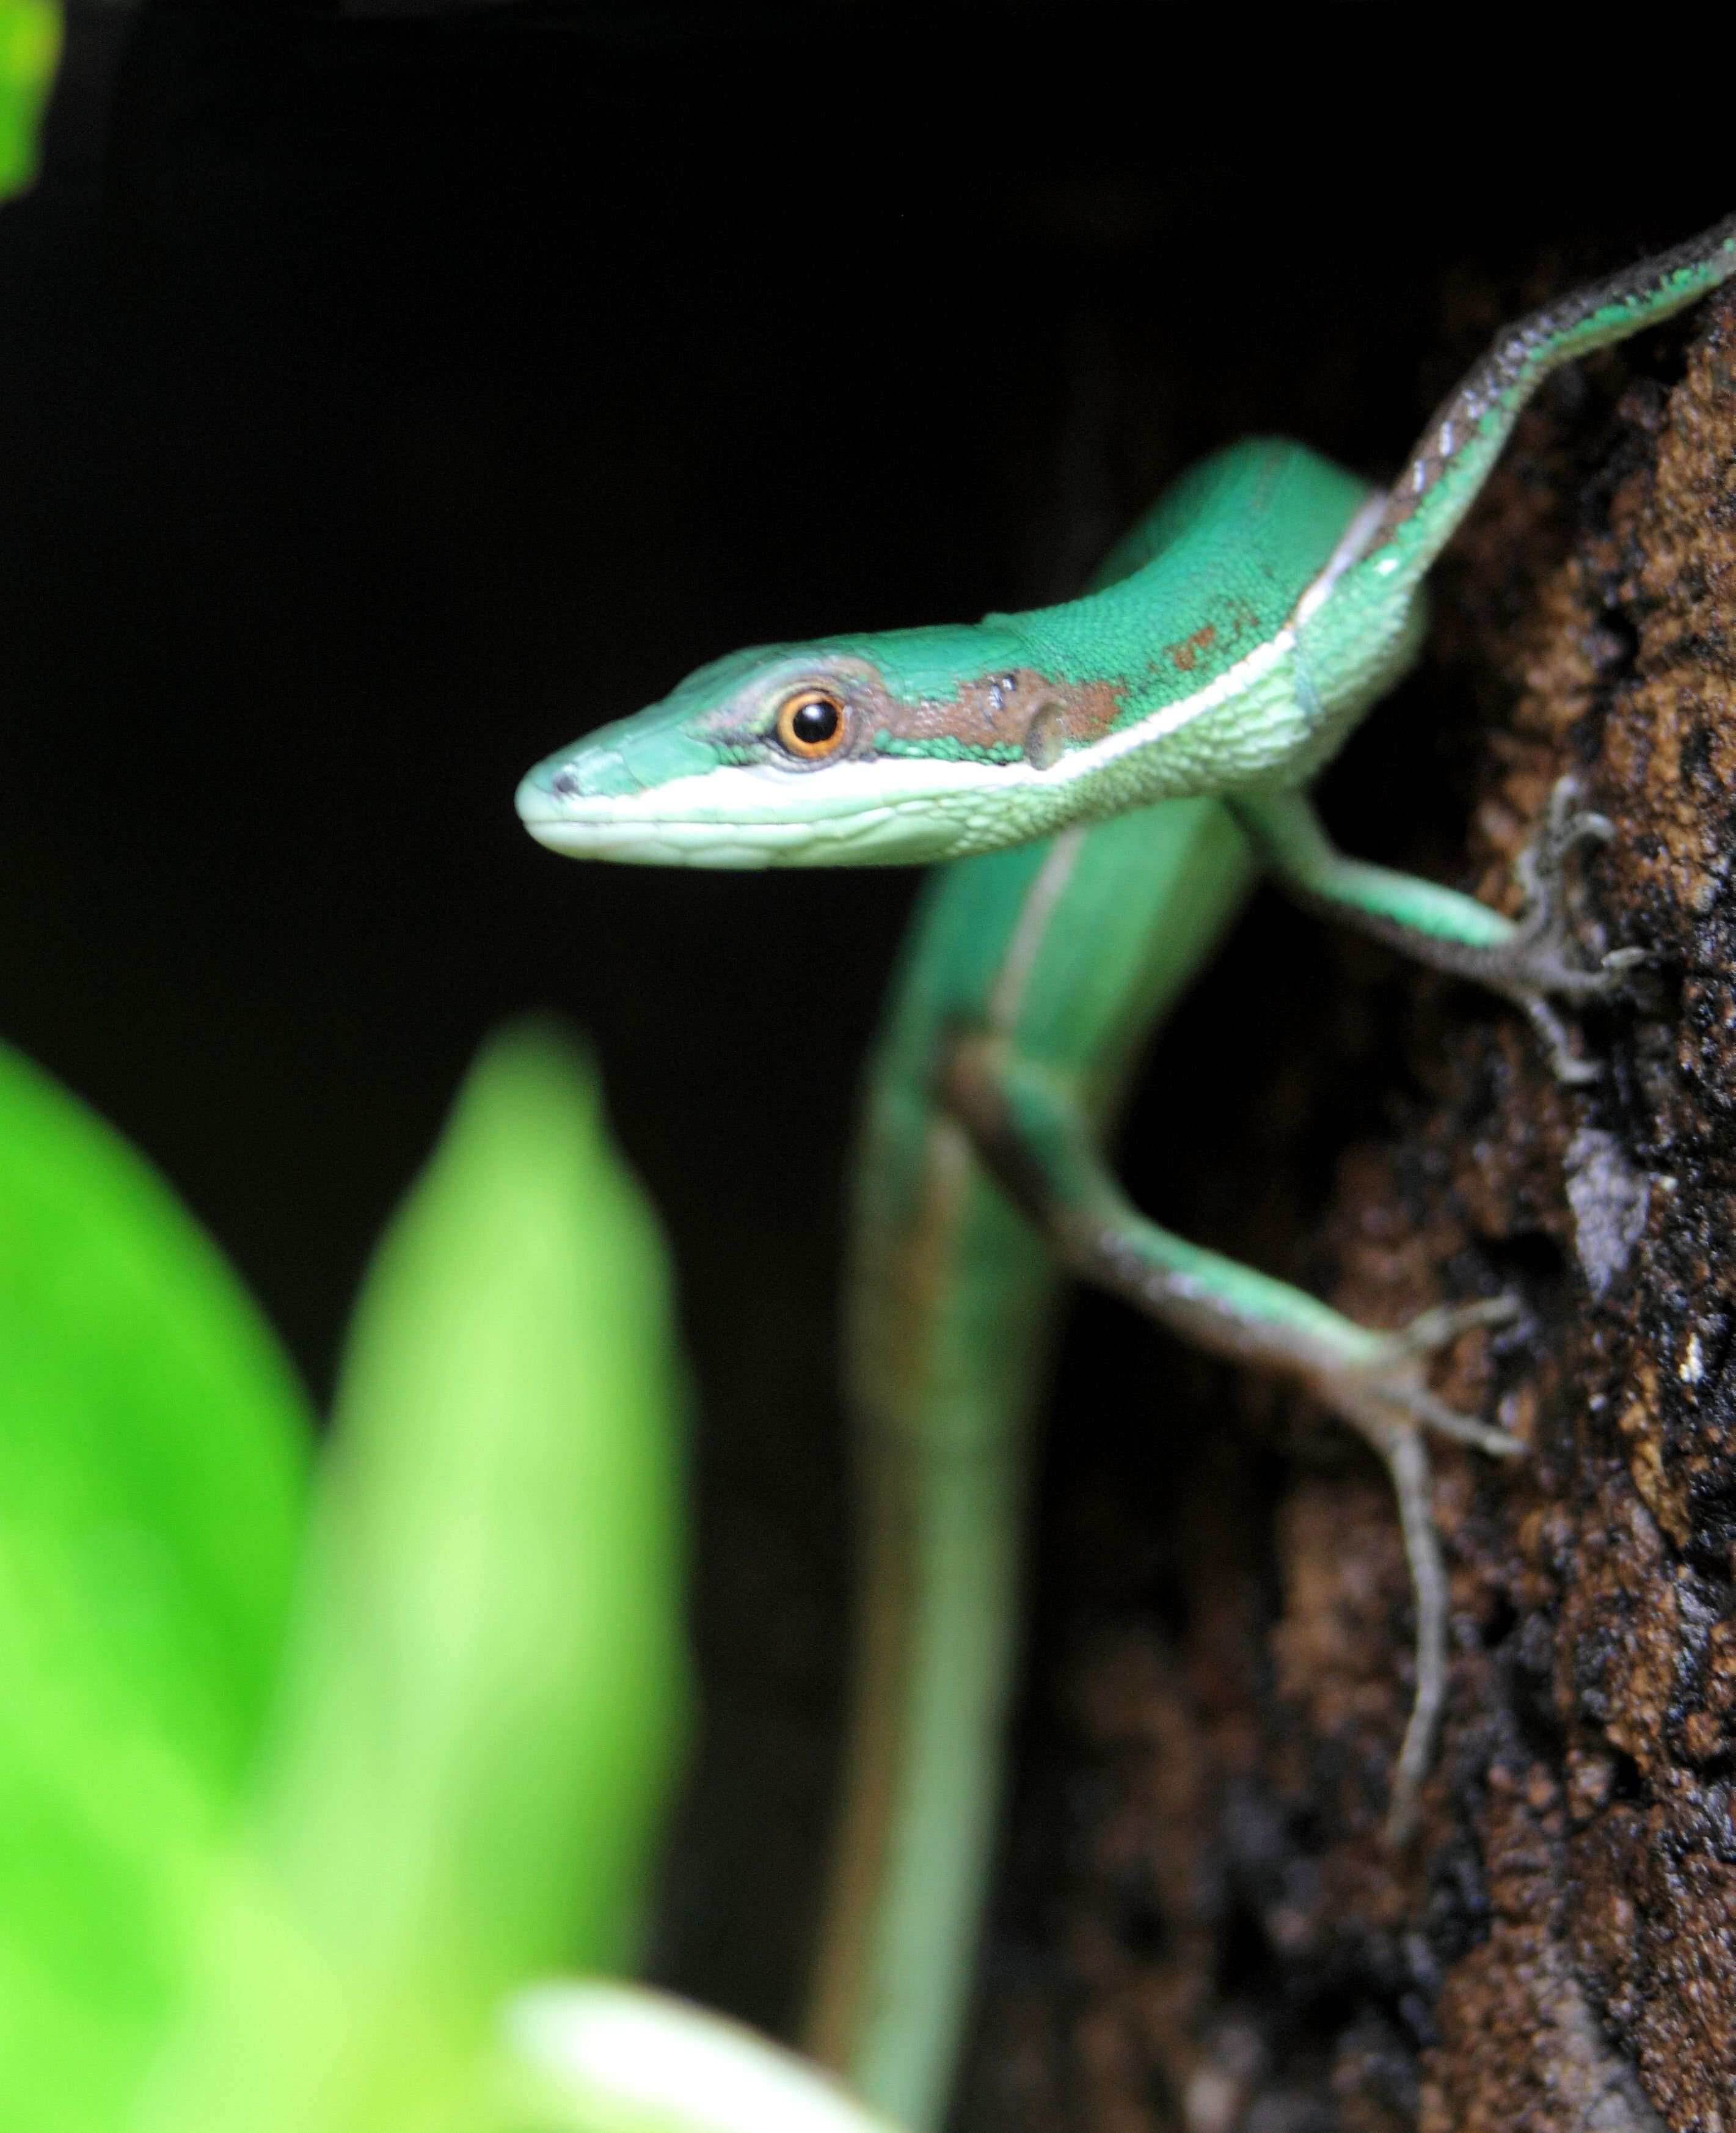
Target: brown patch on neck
{"points": [[998, 711]]}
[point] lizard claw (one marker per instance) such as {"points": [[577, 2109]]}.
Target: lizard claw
{"points": [[1393, 1379], [1537, 968], [1442, 1323]]}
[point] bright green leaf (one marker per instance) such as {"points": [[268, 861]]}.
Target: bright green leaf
{"points": [[152, 1450], [29, 49], [472, 1763]]}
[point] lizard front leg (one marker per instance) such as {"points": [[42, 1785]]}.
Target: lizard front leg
{"points": [[1527, 961]]}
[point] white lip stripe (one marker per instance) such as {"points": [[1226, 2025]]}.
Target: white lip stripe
{"points": [[735, 797], [691, 809]]}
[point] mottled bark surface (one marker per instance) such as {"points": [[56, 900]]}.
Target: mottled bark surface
{"points": [[1200, 1928]]}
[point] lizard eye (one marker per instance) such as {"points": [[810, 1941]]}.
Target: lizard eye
{"points": [[811, 723]]}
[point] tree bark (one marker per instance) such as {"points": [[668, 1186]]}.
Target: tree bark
{"points": [[1201, 1928]]}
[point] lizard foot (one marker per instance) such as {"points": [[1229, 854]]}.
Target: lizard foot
{"points": [[1536, 969], [1386, 1399]]}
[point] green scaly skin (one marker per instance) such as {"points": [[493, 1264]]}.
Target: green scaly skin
{"points": [[1231, 645]]}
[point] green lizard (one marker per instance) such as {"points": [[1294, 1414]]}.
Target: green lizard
{"points": [[1159, 734]]}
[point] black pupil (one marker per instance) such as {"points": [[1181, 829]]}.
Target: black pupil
{"points": [[814, 722]]}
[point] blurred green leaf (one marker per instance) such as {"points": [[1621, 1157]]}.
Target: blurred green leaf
{"points": [[471, 1766], [29, 49], [152, 1451]]}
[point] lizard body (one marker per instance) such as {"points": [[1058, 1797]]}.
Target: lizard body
{"points": [[1159, 733]]}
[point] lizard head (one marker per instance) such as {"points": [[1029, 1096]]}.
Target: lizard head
{"points": [[899, 749]]}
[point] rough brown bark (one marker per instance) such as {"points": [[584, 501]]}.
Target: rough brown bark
{"points": [[1222, 1669]]}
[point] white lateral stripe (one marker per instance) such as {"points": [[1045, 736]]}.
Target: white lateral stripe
{"points": [[1352, 541], [1169, 718], [1035, 911], [1234, 678]]}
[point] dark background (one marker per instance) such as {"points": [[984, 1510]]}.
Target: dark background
{"points": [[384, 401]]}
